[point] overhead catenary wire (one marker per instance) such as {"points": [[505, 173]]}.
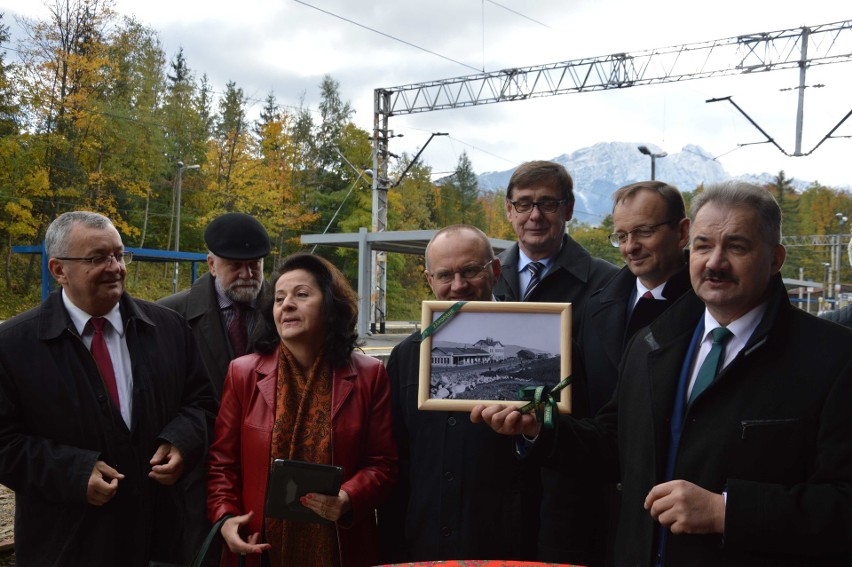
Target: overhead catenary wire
{"points": [[387, 35]]}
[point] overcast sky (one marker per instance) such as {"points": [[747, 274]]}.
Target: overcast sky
{"points": [[286, 46]]}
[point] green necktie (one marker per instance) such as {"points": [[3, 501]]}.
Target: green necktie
{"points": [[710, 366]]}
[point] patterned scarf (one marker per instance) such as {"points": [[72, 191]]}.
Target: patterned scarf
{"points": [[302, 432]]}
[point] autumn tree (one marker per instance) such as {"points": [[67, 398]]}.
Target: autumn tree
{"points": [[277, 204], [496, 224], [9, 109]]}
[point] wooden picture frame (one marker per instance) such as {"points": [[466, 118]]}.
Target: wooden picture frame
{"points": [[488, 350]]}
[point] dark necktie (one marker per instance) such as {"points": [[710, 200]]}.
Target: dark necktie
{"points": [[237, 331], [102, 358], [710, 366], [535, 269]]}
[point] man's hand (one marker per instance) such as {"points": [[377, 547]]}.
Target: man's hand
{"points": [[231, 534], [686, 508], [329, 507], [103, 484], [506, 420], [167, 464]]}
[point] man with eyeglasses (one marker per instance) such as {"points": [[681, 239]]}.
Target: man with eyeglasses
{"points": [[730, 428], [220, 305], [548, 265], [104, 406], [651, 230], [460, 493]]}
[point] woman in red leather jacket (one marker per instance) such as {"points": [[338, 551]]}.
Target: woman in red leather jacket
{"points": [[305, 396]]}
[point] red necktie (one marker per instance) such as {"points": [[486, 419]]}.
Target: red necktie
{"points": [[101, 355], [237, 331], [647, 295]]}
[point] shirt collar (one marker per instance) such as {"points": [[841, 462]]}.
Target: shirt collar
{"points": [[657, 292], [524, 261], [742, 328], [80, 318], [223, 300]]}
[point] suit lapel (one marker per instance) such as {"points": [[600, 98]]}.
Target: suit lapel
{"points": [[341, 386], [668, 339], [267, 370], [612, 314]]}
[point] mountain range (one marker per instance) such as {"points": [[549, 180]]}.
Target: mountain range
{"points": [[601, 169]]}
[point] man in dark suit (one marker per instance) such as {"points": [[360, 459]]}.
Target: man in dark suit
{"points": [[539, 201], [460, 493], [104, 407], [548, 265], [730, 424], [651, 231], [220, 305]]}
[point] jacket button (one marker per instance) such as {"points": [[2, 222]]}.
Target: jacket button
{"points": [[451, 421], [445, 531], [448, 476]]}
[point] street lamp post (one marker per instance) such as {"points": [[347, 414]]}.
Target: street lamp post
{"points": [[654, 156], [180, 168]]}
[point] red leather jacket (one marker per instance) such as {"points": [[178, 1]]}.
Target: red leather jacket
{"points": [[362, 443]]}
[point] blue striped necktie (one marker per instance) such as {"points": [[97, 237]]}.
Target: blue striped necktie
{"points": [[535, 269]]}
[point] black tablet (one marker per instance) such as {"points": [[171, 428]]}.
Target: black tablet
{"points": [[290, 480]]}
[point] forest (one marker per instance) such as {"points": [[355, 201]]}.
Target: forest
{"points": [[94, 115]]}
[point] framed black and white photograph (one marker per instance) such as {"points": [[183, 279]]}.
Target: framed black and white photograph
{"points": [[489, 350]]}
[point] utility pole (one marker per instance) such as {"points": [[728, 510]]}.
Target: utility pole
{"points": [[180, 168]]}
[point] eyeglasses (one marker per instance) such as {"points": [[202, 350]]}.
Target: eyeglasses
{"points": [[99, 261], [547, 206], [640, 232], [467, 273]]}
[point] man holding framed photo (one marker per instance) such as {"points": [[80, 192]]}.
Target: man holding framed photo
{"points": [[460, 493]]}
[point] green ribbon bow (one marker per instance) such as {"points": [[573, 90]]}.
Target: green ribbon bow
{"points": [[543, 402]]}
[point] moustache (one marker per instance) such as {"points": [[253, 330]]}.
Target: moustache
{"points": [[244, 282], [719, 276]]}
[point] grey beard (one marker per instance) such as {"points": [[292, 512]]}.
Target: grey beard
{"points": [[236, 292]]}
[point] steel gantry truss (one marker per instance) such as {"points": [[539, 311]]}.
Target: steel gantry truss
{"points": [[754, 53]]}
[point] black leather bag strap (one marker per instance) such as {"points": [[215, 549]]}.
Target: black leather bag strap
{"points": [[202, 551]]}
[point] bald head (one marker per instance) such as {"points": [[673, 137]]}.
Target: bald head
{"points": [[460, 264]]}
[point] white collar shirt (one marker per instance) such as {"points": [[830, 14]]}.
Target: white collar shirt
{"points": [[116, 341]]}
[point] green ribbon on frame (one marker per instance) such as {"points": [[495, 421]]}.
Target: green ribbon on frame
{"points": [[445, 316], [543, 402]]}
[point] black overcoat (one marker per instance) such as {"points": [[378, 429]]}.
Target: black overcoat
{"points": [[773, 431], [56, 421]]}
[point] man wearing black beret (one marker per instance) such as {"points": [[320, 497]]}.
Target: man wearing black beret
{"points": [[220, 305]]}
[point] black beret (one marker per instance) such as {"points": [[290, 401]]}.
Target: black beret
{"points": [[237, 236]]}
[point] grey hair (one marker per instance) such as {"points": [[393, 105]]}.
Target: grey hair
{"points": [[487, 249], [736, 194], [56, 237]]}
